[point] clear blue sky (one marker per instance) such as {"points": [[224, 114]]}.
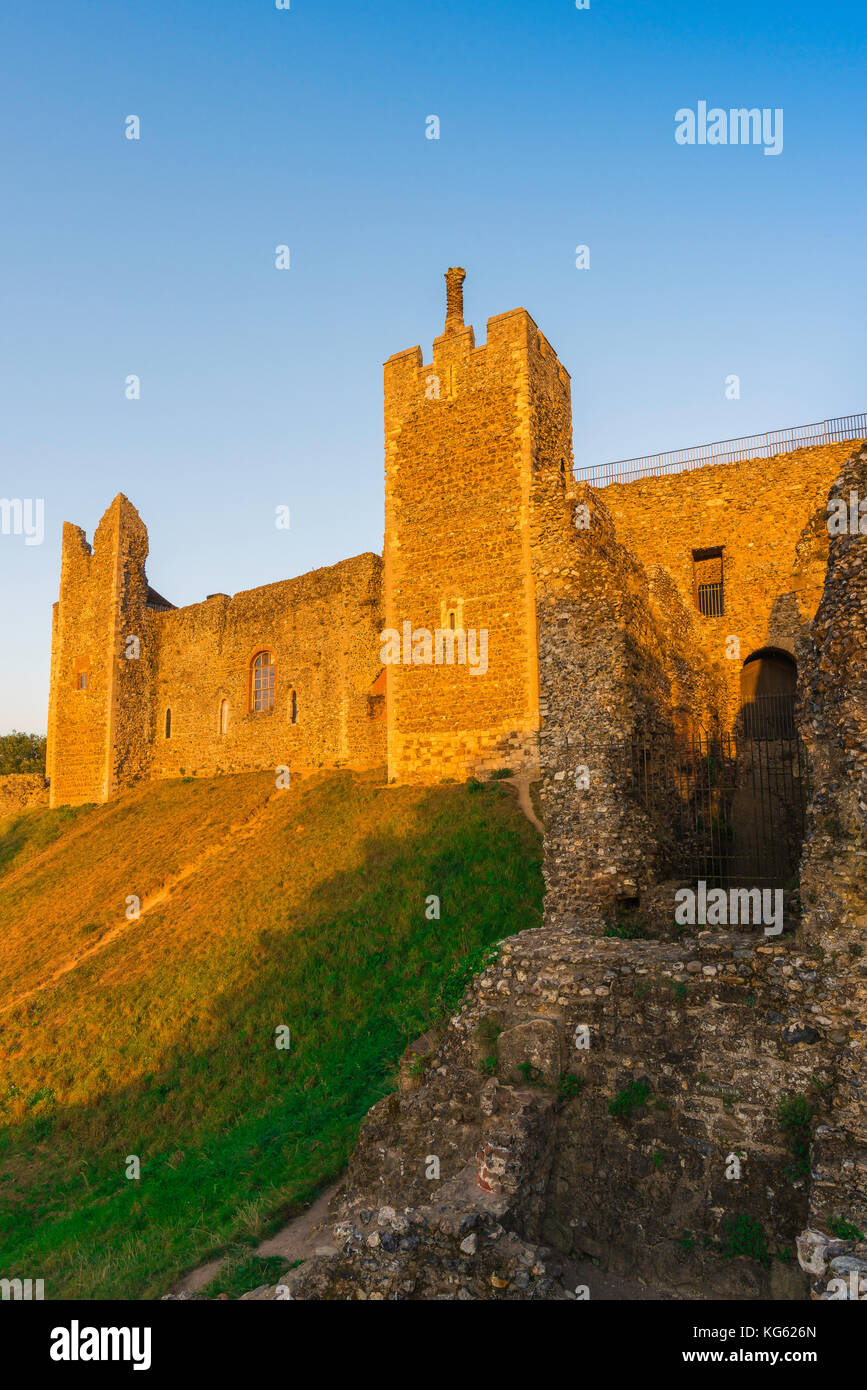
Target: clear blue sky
{"points": [[307, 127]]}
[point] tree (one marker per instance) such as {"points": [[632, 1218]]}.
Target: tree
{"points": [[22, 752]]}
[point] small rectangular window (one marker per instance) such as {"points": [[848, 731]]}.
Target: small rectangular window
{"points": [[708, 590], [82, 680]]}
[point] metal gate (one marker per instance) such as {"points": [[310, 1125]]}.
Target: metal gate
{"points": [[730, 806]]}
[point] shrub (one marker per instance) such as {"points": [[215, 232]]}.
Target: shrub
{"points": [[793, 1117], [632, 1097], [530, 1075], [743, 1235], [844, 1230], [569, 1085]]}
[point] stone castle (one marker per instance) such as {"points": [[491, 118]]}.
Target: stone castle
{"points": [[486, 531], [619, 646]]}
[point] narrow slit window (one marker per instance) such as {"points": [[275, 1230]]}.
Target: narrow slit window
{"points": [[168, 723], [224, 716], [293, 708]]}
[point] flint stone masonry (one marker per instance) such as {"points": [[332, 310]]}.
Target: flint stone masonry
{"points": [[769, 517], [593, 630], [595, 640], [833, 718], [20, 790], [167, 691], [695, 1043], [464, 435], [562, 1178], [321, 630]]}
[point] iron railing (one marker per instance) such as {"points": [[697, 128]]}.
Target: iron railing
{"points": [[750, 446]]}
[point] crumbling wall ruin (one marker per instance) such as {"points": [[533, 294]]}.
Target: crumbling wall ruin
{"points": [[833, 719], [619, 664], [675, 1110]]}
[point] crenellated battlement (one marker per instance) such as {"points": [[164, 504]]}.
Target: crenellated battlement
{"points": [[482, 520]]}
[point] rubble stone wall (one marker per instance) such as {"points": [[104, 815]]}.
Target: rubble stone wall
{"points": [[767, 515], [322, 631], [833, 720], [19, 790]]}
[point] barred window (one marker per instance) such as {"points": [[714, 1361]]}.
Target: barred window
{"points": [[264, 683], [708, 582]]}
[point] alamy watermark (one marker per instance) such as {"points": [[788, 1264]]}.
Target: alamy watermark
{"points": [[737, 907], [23, 517], [851, 519], [444, 646], [737, 126], [22, 1290]]}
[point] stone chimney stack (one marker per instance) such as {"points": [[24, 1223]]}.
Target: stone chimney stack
{"points": [[455, 277]]}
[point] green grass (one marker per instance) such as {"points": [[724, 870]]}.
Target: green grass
{"points": [[794, 1116], [243, 1272], [161, 1044], [27, 833], [569, 1085]]}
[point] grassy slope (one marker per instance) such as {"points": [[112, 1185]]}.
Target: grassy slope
{"points": [[162, 1044]]}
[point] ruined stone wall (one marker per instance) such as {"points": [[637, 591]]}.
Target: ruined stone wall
{"points": [[833, 720], [769, 516], [322, 630], [464, 435], [647, 1105], [536, 1177], [619, 661], [139, 661], [98, 734], [20, 790]]}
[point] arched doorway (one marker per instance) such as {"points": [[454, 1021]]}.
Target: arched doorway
{"points": [[767, 700], [767, 810]]}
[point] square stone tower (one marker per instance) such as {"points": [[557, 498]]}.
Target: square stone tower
{"points": [[99, 711], [465, 440]]}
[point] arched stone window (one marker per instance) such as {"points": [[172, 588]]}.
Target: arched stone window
{"points": [[168, 723], [263, 681], [224, 716], [293, 708]]}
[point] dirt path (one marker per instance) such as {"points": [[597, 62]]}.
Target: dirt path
{"points": [[299, 1239], [521, 783], [243, 830]]}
